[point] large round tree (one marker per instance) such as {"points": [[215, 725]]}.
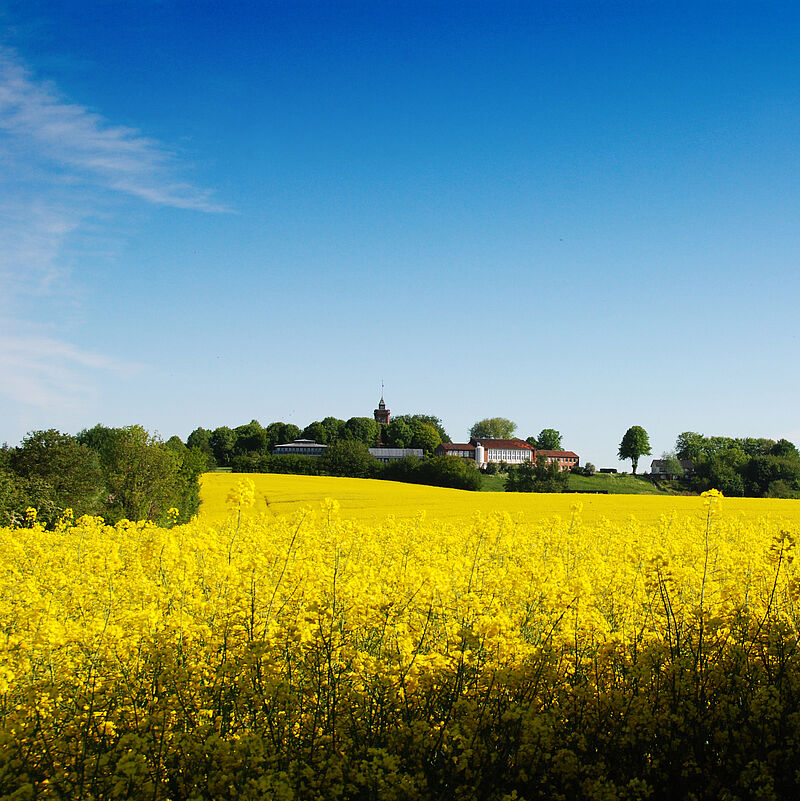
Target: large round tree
{"points": [[493, 428], [634, 444]]}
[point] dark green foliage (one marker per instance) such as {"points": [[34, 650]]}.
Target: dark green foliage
{"points": [[723, 471], [439, 471], [549, 440], [317, 432], [785, 449], [222, 442], [251, 462], [335, 428], [58, 472], [187, 497], [176, 444], [349, 457], [142, 476], [493, 428], [635, 443], [742, 466], [114, 472], [405, 470], [691, 445], [424, 436], [290, 433], [450, 471], [429, 419], [288, 463], [99, 438], [398, 433], [294, 464], [201, 438], [539, 476], [762, 472], [254, 438], [15, 497], [362, 429], [279, 433]]}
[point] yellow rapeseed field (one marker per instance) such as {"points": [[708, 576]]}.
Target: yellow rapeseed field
{"points": [[337, 648], [372, 500]]}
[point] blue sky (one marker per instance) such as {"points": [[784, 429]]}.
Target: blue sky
{"points": [[577, 215]]}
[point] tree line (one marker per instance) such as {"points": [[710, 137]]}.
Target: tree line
{"points": [[112, 472], [129, 473], [352, 459], [741, 466], [248, 448]]}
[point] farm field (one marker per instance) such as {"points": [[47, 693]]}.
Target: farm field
{"points": [[372, 500], [337, 643]]}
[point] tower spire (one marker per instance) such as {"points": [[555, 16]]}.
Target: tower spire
{"points": [[382, 413]]}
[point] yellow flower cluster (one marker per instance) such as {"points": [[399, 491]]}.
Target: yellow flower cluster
{"points": [[309, 656], [242, 494]]}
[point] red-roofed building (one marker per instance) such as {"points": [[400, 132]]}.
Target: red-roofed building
{"points": [[464, 450], [510, 451], [483, 451], [565, 459]]}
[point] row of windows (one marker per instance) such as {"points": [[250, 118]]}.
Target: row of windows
{"points": [[506, 456], [306, 451]]}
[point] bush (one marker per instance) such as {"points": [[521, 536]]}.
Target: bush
{"points": [[349, 457], [542, 476], [438, 471]]}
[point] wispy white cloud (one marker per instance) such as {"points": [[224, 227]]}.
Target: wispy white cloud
{"points": [[51, 374], [75, 138], [32, 236], [64, 171]]}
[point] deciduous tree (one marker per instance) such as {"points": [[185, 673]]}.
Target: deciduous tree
{"points": [[69, 469], [635, 443], [429, 419], [539, 476], [493, 428], [426, 437], [398, 433], [317, 432], [362, 429], [349, 457], [549, 440], [222, 441], [201, 438]]}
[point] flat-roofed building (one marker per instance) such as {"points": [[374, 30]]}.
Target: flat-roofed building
{"points": [[383, 454], [301, 447]]}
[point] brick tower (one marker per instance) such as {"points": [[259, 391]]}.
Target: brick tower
{"points": [[382, 413]]}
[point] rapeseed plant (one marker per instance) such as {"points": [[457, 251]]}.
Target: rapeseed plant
{"points": [[310, 655]]}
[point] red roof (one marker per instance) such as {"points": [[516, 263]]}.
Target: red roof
{"points": [[503, 444], [457, 446], [557, 454]]}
